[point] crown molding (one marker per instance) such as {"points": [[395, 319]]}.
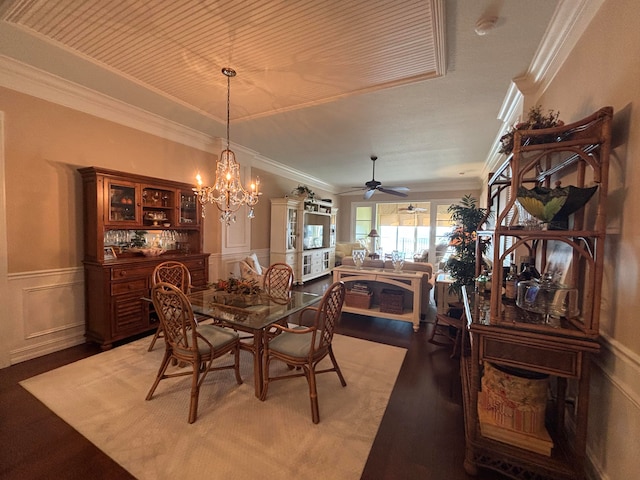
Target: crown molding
{"points": [[252, 158], [26, 79], [569, 21]]}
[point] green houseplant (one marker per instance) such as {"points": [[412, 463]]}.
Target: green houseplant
{"points": [[461, 265], [303, 190]]}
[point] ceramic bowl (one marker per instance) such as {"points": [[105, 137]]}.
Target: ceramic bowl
{"points": [[152, 251]]}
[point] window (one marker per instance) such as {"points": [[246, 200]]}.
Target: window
{"points": [[410, 228], [364, 222]]}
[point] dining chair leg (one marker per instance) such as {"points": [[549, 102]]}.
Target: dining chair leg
{"points": [[313, 393], [156, 336], [265, 378], [200, 369], [161, 372], [343, 382], [236, 366]]}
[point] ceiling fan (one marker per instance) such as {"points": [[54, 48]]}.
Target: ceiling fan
{"points": [[412, 209], [372, 185]]}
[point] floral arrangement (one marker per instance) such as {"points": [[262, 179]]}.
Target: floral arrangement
{"points": [[462, 264], [535, 120], [303, 190], [239, 286]]}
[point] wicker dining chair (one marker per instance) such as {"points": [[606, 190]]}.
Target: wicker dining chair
{"points": [[307, 346], [278, 280], [190, 344], [176, 274]]}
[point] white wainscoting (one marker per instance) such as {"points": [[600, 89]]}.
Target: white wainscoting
{"points": [[614, 413], [45, 312]]}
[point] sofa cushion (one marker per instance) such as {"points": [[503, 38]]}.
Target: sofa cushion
{"points": [[368, 262], [344, 249]]}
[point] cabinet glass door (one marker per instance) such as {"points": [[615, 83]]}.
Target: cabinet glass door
{"points": [[292, 225], [306, 264], [188, 208], [123, 204], [158, 206]]}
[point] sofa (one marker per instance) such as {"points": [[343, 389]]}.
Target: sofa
{"points": [[428, 279], [344, 249]]}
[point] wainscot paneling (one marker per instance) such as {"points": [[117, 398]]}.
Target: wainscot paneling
{"points": [[47, 309], [614, 412]]}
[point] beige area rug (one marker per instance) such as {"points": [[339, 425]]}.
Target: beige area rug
{"points": [[236, 436]]}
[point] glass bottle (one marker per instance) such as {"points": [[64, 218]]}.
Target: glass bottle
{"points": [[527, 269], [511, 283], [481, 282]]}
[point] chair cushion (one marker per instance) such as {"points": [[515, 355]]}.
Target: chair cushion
{"points": [[293, 344], [217, 336]]}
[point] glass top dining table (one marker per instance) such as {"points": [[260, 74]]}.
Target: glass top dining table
{"points": [[252, 314]]}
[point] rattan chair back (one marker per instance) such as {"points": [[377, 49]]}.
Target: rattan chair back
{"points": [[278, 280], [172, 272]]}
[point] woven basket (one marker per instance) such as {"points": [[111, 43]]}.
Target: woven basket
{"points": [[358, 300], [392, 301]]}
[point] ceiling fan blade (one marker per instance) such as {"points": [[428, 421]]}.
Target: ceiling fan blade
{"points": [[392, 192], [398, 189], [368, 193], [357, 189]]}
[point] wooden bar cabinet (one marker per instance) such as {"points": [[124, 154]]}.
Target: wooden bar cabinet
{"points": [[117, 206]]}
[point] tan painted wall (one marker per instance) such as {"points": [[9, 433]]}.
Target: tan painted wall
{"points": [[44, 145], [604, 69], [595, 75]]}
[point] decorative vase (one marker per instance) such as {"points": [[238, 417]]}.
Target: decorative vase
{"points": [[358, 258], [397, 260]]}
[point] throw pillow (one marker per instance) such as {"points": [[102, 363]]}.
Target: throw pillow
{"points": [[255, 263]]}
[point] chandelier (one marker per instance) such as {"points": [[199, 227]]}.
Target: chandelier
{"points": [[228, 193]]}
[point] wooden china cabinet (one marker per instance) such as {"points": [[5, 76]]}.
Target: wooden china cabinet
{"points": [[118, 205], [503, 337]]}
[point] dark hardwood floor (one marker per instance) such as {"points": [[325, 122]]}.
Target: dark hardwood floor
{"points": [[421, 435]]}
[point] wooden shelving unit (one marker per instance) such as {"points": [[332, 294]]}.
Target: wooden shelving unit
{"points": [[502, 334]]}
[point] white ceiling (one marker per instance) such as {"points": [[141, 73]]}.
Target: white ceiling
{"points": [[321, 85]]}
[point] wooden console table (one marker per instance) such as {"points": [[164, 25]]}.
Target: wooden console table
{"points": [[409, 281]]}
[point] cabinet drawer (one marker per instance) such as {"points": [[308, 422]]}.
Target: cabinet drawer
{"points": [[195, 264], [120, 273], [198, 277], [539, 358], [139, 285]]}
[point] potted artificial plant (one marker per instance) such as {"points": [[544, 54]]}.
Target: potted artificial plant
{"points": [[461, 265]]}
